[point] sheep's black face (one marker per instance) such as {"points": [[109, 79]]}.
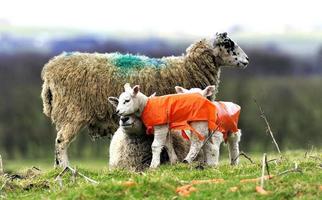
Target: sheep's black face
{"points": [[131, 125], [230, 53]]}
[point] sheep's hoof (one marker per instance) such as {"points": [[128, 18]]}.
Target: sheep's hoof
{"points": [[185, 161], [234, 163], [200, 167]]}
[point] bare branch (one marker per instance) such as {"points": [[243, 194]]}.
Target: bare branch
{"points": [[267, 125], [245, 155]]}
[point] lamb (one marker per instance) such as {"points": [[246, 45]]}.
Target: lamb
{"points": [[228, 117], [168, 113], [130, 146], [76, 85]]}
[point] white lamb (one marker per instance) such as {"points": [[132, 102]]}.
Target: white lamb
{"points": [[132, 101], [228, 116]]}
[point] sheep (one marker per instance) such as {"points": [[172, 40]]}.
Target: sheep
{"points": [[130, 147], [76, 85], [228, 117], [172, 112]]}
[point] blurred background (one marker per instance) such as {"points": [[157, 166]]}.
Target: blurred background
{"points": [[283, 40]]}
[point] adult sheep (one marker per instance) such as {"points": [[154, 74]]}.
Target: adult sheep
{"points": [[76, 85]]}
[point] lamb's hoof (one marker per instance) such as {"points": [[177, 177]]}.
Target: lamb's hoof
{"points": [[200, 167], [173, 162], [154, 166], [185, 161]]}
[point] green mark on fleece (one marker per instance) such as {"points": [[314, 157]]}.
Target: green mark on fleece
{"points": [[128, 61], [68, 53]]}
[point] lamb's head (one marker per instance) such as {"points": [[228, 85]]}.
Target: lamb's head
{"points": [[207, 92], [131, 101], [131, 124], [228, 52]]}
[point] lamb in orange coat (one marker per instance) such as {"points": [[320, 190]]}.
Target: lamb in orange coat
{"points": [[227, 119], [177, 112]]}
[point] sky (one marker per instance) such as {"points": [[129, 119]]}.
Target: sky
{"points": [[202, 17]]}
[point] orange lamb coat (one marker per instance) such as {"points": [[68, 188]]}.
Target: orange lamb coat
{"points": [[178, 110], [228, 116]]}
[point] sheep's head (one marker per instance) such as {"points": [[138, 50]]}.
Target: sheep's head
{"points": [[230, 54], [207, 92], [132, 101], [132, 125]]}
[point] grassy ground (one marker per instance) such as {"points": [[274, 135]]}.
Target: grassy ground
{"points": [[163, 182]]}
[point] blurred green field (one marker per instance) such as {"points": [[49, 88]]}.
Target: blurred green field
{"points": [[163, 182]]}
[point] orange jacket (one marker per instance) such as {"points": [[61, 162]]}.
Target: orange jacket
{"points": [[178, 110], [228, 116]]}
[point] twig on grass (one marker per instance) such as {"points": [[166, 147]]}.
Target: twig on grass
{"points": [[245, 155], [1, 166], [263, 169], [4, 184], [271, 160], [315, 157], [267, 166], [74, 172], [262, 114], [295, 169]]}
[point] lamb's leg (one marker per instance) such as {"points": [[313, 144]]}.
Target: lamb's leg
{"points": [[233, 147], [171, 153], [65, 136], [196, 144], [214, 149], [159, 141]]}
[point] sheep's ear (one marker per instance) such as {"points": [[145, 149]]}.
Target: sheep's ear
{"points": [[180, 90], [136, 90], [153, 95], [208, 91], [114, 101], [127, 87]]}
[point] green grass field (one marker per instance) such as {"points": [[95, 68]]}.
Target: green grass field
{"points": [[163, 182]]}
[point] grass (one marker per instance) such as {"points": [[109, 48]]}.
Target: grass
{"points": [[162, 182]]}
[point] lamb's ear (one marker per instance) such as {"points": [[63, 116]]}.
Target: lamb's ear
{"points": [[153, 95], [114, 101], [180, 90], [136, 90], [208, 91], [127, 87]]}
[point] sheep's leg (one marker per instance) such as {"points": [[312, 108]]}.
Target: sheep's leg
{"points": [[196, 144], [65, 136], [171, 153], [233, 147], [118, 143], [160, 139]]}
